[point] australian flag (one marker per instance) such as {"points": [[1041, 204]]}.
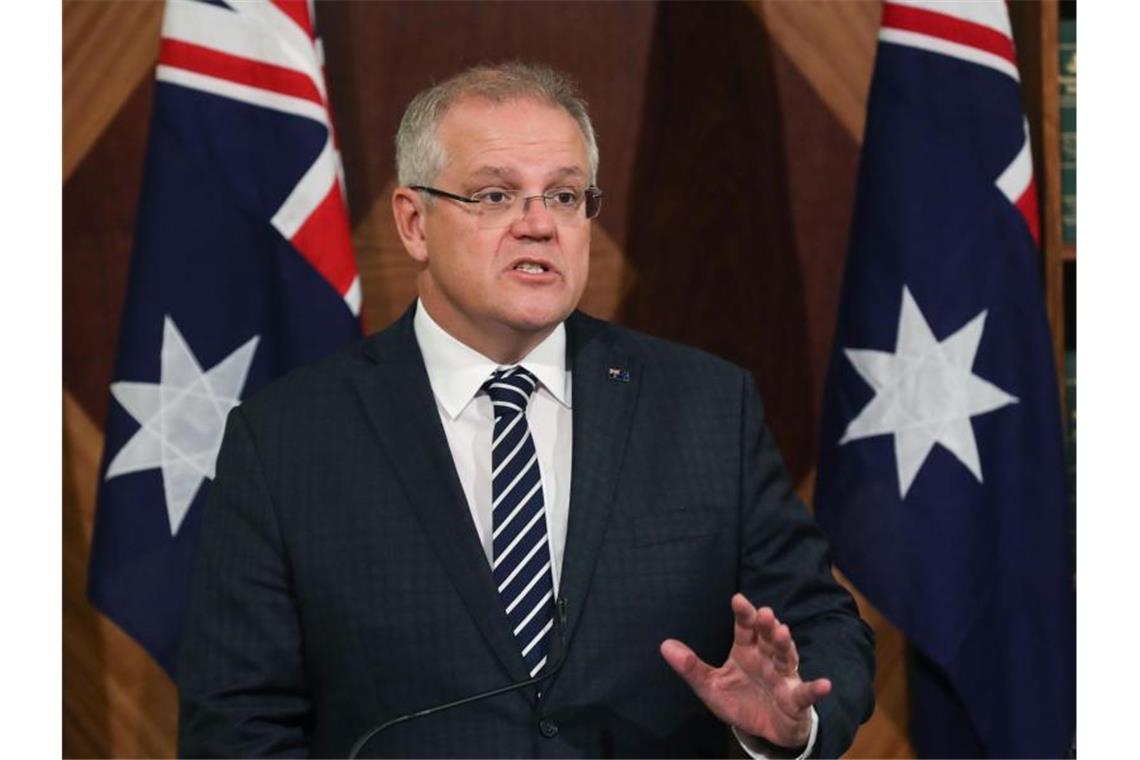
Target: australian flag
{"points": [[242, 269], [941, 472]]}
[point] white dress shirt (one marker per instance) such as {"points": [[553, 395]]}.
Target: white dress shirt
{"points": [[456, 373]]}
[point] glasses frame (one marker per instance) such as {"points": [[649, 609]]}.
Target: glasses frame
{"points": [[591, 195]]}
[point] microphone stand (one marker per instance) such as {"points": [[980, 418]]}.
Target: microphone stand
{"points": [[548, 673]]}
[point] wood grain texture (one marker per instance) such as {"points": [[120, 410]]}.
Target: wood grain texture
{"points": [[833, 46], [816, 145], [108, 48], [1035, 30], [710, 232], [100, 202], [116, 701], [381, 54]]}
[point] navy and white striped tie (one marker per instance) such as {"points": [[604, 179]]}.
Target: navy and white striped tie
{"points": [[520, 552]]}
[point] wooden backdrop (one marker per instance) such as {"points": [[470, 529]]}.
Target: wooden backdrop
{"points": [[729, 135]]}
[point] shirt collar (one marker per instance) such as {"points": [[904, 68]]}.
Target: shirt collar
{"points": [[456, 371]]}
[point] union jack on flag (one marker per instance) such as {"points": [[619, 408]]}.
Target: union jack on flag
{"points": [[941, 470], [242, 269]]}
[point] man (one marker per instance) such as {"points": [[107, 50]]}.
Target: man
{"points": [[498, 486]]}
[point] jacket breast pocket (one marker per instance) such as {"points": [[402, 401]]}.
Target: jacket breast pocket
{"points": [[669, 525]]}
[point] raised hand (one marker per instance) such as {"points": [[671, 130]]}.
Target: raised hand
{"points": [[758, 689]]}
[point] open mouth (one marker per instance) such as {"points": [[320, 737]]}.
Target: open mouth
{"points": [[530, 267]]}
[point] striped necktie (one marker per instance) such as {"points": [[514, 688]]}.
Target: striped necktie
{"points": [[520, 551]]}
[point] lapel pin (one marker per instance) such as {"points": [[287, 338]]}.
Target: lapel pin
{"points": [[618, 375]]}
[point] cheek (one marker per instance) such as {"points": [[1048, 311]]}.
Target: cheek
{"points": [[579, 259], [456, 259]]}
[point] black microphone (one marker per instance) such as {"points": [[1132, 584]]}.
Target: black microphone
{"points": [[550, 671]]}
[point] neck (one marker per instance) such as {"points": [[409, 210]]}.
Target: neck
{"points": [[500, 343]]}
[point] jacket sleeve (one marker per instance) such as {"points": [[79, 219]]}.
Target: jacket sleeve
{"points": [[241, 678], [786, 564]]}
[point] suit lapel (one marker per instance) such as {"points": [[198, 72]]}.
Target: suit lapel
{"points": [[398, 400], [606, 383]]}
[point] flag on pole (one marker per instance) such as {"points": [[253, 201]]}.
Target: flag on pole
{"points": [[242, 269], [941, 471]]}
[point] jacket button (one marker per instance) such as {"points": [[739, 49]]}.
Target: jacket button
{"points": [[548, 728]]}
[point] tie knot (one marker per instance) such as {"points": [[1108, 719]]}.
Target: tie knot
{"points": [[510, 389]]}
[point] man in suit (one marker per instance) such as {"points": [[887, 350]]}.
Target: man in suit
{"points": [[497, 487]]}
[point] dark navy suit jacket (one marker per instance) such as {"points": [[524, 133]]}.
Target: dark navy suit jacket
{"points": [[340, 581]]}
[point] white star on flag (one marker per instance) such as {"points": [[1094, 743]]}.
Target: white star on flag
{"points": [[183, 417], [925, 393]]}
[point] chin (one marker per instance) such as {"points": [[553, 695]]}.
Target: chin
{"points": [[538, 317]]}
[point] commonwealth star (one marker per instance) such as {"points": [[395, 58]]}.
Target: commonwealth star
{"points": [[182, 419], [925, 393]]}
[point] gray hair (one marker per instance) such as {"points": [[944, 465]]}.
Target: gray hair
{"points": [[419, 156]]}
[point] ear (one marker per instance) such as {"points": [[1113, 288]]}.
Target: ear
{"points": [[408, 210]]}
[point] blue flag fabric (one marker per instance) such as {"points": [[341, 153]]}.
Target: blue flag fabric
{"points": [[242, 269], [941, 471]]}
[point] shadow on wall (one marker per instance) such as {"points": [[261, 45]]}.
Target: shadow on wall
{"points": [[710, 228]]}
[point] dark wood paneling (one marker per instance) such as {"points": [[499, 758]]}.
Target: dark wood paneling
{"points": [[822, 159], [1035, 30], [832, 45], [711, 237], [108, 48], [99, 203], [381, 54]]}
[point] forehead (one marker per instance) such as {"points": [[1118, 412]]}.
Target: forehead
{"points": [[520, 137]]}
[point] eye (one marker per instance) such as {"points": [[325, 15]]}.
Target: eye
{"points": [[493, 198], [565, 198]]}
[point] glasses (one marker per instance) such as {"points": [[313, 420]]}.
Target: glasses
{"points": [[501, 208]]}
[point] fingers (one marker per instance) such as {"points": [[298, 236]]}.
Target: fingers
{"points": [[744, 614], [685, 662], [761, 628], [778, 640], [786, 657]]}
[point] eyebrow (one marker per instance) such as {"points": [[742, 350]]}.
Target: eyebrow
{"points": [[503, 173], [569, 171], [498, 172]]}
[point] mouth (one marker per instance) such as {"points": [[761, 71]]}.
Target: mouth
{"points": [[533, 266]]}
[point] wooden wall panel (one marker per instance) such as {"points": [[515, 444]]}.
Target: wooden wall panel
{"points": [[711, 237], [381, 54], [116, 701], [832, 45], [99, 203], [108, 49], [822, 56], [1035, 29]]}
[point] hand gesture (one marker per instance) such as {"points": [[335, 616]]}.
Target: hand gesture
{"points": [[758, 689]]}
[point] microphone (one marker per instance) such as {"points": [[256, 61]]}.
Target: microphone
{"points": [[550, 671]]}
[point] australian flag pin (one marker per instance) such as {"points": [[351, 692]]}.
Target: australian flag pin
{"points": [[619, 375]]}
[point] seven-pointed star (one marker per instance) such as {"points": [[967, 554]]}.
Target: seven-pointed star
{"points": [[182, 418], [925, 393]]}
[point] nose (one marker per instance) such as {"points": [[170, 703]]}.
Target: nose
{"points": [[536, 220]]}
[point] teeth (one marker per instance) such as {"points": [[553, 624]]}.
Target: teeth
{"points": [[530, 268]]}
